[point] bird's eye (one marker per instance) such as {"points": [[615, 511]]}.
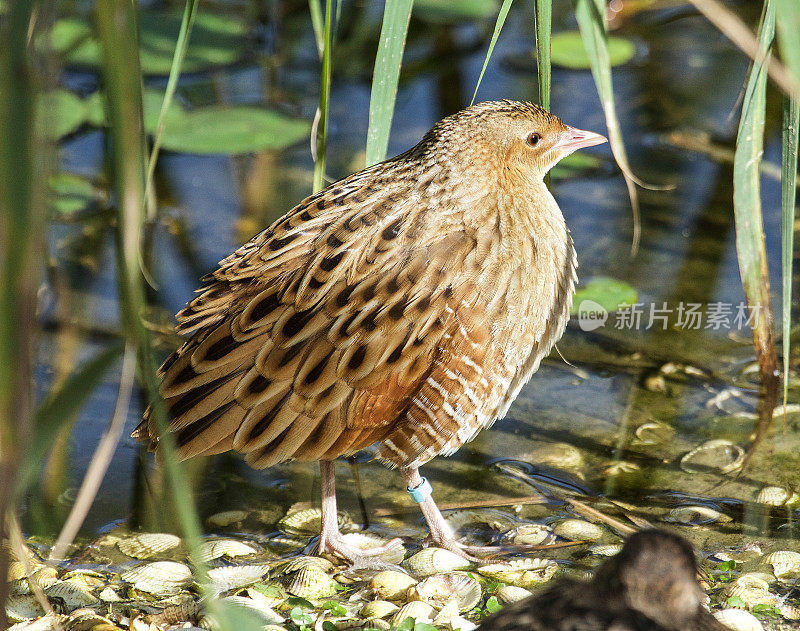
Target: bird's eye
{"points": [[533, 139]]}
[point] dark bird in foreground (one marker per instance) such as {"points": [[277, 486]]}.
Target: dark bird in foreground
{"points": [[651, 585], [403, 306]]}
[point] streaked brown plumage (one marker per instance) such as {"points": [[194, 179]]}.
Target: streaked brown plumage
{"points": [[650, 585], [404, 305]]}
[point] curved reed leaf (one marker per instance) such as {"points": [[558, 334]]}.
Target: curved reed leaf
{"points": [[544, 20], [498, 26], [181, 46], [750, 245], [593, 25], [385, 77]]}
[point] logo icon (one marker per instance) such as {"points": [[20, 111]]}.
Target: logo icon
{"points": [[591, 315]]}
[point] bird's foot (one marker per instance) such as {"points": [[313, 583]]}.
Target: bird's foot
{"points": [[358, 557], [475, 554]]}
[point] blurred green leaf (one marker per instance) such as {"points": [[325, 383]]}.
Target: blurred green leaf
{"points": [[383, 93], [448, 11], [568, 50], [70, 193], [58, 410], [736, 601], [95, 109], [575, 163], [59, 112], [216, 41], [609, 293]]}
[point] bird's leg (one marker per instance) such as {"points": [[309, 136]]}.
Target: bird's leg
{"points": [[441, 533], [330, 539]]}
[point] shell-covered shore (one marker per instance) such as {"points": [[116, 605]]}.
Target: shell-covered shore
{"points": [[152, 581]]}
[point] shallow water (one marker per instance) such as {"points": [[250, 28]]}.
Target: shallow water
{"points": [[575, 423]]}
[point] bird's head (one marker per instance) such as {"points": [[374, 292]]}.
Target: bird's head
{"points": [[518, 138], [655, 573]]}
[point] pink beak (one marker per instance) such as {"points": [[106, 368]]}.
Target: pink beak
{"points": [[573, 139]]}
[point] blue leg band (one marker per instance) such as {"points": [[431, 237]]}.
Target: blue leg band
{"points": [[421, 492]]}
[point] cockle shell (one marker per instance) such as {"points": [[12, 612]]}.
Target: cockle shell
{"points": [[227, 518], [738, 620], [785, 563], [511, 593], [378, 609], [532, 535], [418, 610], [311, 583], [296, 564], [717, 455], [23, 607], [266, 615], [776, 496], [606, 549], [441, 589], [303, 520], [696, 515], [435, 561], [578, 530], [224, 579], [521, 572], [148, 544], [73, 594], [391, 584], [210, 550], [162, 578], [653, 433], [753, 590]]}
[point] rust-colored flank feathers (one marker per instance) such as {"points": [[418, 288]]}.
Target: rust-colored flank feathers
{"points": [[404, 305]]}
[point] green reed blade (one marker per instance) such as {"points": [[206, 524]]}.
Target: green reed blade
{"points": [[750, 245], [498, 26], [787, 25], [181, 46], [385, 77], [593, 26], [324, 102], [791, 123], [544, 19], [22, 219]]}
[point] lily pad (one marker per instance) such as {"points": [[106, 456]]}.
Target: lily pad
{"points": [[607, 293], [223, 129], [60, 112], [70, 193], [567, 50], [215, 41], [449, 11]]}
